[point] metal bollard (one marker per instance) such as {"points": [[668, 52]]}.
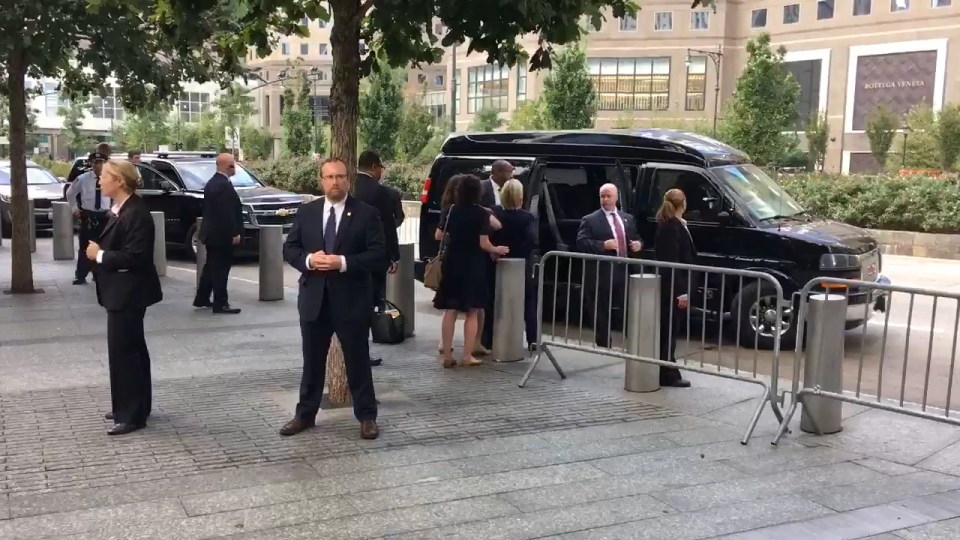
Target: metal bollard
{"points": [[63, 249], [271, 262], [31, 211], [823, 366], [643, 333], [401, 292], [159, 242], [508, 311], [201, 253]]}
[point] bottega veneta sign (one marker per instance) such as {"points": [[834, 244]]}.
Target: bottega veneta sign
{"points": [[899, 81], [893, 84]]}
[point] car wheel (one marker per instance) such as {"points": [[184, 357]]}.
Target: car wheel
{"points": [[191, 242], [758, 318]]}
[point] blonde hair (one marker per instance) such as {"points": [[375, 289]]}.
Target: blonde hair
{"points": [[511, 195], [672, 207], [126, 171]]}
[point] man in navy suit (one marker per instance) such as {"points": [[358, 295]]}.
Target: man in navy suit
{"points": [[607, 231], [220, 233]]}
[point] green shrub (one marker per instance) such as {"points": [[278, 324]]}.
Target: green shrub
{"points": [[294, 174], [58, 168], [407, 177]]}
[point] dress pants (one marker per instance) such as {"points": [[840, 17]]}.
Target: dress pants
{"points": [[379, 288], [130, 386], [316, 337], [216, 272], [668, 335], [606, 287]]}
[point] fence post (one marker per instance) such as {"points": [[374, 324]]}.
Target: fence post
{"points": [[63, 249], [271, 262], [823, 365], [643, 333], [159, 242], [401, 289], [508, 321], [32, 228], [201, 252]]}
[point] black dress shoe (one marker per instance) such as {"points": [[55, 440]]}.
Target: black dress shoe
{"points": [[376, 361], [226, 310], [108, 416], [123, 429], [201, 304], [295, 426], [679, 383], [79, 282]]}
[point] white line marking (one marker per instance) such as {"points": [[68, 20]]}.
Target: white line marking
{"points": [[913, 328], [251, 281]]}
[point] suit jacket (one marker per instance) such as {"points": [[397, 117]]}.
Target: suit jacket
{"points": [[222, 212], [674, 244], [595, 230], [359, 241], [397, 201], [487, 197], [126, 277], [377, 195]]}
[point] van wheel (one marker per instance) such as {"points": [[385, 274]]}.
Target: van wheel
{"points": [[758, 318], [191, 241]]}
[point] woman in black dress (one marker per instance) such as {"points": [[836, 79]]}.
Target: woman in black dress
{"points": [[673, 244], [520, 236], [463, 284]]}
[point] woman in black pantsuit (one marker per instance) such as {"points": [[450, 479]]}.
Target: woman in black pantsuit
{"points": [[127, 284], [673, 244], [519, 234]]}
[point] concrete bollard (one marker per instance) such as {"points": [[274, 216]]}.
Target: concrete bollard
{"points": [[159, 242], [201, 252], [31, 211], [63, 249], [508, 322], [401, 291], [643, 333], [271, 262], [823, 365]]}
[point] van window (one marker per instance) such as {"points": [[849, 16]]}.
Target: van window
{"points": [[480, 168], [575, 189], [703, 198], [167, 170], [149, 179]]}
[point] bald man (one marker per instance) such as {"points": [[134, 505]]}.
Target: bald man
{"points": [[500, 172], [220, 233], [607, 231]]}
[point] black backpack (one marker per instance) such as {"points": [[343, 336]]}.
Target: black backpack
{"points": [[388, 324]]}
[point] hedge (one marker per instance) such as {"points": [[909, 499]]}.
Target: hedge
{"points": [[302, 175]]}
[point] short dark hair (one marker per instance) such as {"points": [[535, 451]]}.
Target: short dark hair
{"points": [[132, 153], [468, 192], [369, 159]]}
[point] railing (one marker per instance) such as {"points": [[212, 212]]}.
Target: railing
{"points": [[582, 306]]}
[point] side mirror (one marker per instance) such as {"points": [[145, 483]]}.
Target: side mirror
{"points": [[723, 218]]}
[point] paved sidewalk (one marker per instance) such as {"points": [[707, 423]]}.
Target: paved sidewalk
{"points": [[464, 453]]}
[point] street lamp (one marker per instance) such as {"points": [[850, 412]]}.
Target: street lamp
{"points": [[903, 154], [717, 57], [315, 75]]}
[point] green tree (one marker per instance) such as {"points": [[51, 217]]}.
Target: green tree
{"points": [[569, 98], [73, 114], [529, 116], [486, 119], [382, 111], [235, 106], [297, 118], [210, 133], [764, 104], [919, 148], [948, 135], [146, 129], [818, 137], [256, 142], [882, 127], [416, 130]]}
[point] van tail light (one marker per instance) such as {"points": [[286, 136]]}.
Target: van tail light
{"points": [[425, 192]]}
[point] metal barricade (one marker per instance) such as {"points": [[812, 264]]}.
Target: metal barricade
{"points": [[883, 364], [573, 287]]}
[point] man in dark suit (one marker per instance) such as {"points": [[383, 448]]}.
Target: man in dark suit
{"points": [[220, 231], [369, 190], [337, 245], [607, 231], [500, 172]]}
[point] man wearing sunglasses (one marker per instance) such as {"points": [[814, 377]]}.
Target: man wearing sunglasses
{"points": [[220, 232]]}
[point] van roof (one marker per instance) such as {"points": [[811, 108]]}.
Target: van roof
{"points": [[665, 144]]}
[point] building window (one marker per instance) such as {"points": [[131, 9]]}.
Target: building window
{"points": [[696, 83], [807, 75], [323, 49], [51, 100], [320, 108], [862, 7], [899, 5], [487, 88], [663, 21], [438, 80], [825, 9], [304, 49], [521, 82], [107, 106], [193, 105], [285, 48], [628, 23], [791, 14], [699, 20], [321, 24], [421, 78], [631, 84], [758, 18], [940, 3]]}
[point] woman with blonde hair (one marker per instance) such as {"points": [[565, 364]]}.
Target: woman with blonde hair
{"points": [[518, 233], [127, 284], [673, 244]]}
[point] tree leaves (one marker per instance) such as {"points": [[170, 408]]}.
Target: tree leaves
{"points": [[569, 98]]}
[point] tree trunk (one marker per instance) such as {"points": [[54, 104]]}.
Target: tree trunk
{"points": [[344, 118], [21, 271]]}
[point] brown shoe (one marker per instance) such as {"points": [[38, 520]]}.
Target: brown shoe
{"points": [[296, 426], [369, 430]]}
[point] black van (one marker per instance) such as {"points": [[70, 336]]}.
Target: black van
{"points": [[739, 217]]}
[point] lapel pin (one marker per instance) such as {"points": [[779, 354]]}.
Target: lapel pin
{"points": [[349, 214]]}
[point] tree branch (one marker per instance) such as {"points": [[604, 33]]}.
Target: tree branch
{"points": [[365, 7]]}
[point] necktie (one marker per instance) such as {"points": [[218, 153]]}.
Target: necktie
{"points": [[96, 201], [621, 238], [330, 232]]}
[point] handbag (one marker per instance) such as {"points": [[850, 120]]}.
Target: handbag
{"points": [[433, 271], [388, 323]]}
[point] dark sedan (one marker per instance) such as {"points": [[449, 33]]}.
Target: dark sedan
{"points": [[42, 187]]}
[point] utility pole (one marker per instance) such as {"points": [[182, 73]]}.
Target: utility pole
{"points": [[453, 88]]}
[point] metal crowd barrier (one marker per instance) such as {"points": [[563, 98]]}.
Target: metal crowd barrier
{"points": [[575, 284], [889, 371]]}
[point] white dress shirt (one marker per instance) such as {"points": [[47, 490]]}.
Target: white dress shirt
{"points": [[496, 192], [338, 208], [115, 210], [86, 186]]}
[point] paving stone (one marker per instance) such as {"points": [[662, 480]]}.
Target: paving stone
{"points": [[948, 529], [704, 435], [882, 490], [647, 427], [554, 521], [675, 457], [4, 507], [889, 468], [65, 523], [786, 459]]}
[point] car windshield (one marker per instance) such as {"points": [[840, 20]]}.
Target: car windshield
{"points": [[35, 176], [763, 197], [196, 174]]}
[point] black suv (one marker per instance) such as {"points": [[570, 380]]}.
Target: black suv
{"points": [[738, 216], [173, 182]]}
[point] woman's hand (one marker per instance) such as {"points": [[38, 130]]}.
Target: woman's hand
{"points": [[500, 251], [683, 301]]}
